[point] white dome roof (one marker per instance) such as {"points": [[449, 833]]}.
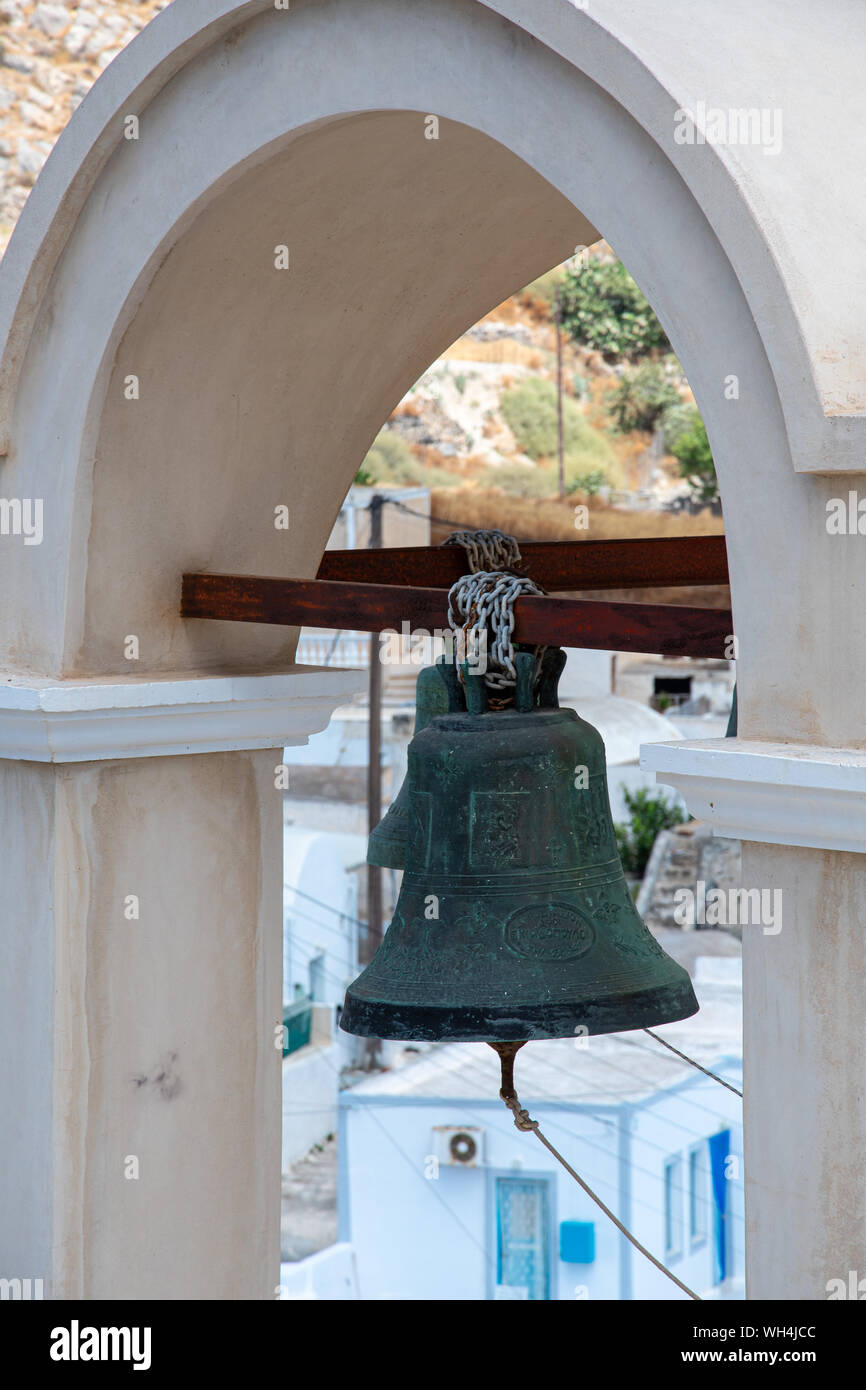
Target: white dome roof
{"points": [[623, 724]]}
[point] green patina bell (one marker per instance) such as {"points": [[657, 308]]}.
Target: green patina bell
{"points": [[387, 843], [514, 920], [436, 692]]}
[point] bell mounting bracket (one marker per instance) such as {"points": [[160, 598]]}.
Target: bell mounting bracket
{"points": [[370, 590]]}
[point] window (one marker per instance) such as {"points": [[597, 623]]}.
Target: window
{"points": [[522, 1238], [671, 691], [699, 1196], [318, 983], [673, 1184]]}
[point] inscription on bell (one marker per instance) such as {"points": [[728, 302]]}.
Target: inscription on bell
{"points": [[549, 932]]}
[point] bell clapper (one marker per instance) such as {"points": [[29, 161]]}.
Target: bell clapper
{"points": [[507, 1052]]}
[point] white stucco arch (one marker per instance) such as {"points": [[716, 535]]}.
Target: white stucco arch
{"points": [[216, 109], [259, 127]]}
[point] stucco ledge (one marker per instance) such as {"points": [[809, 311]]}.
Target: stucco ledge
{"points": [[81, 721], [775, 793]]}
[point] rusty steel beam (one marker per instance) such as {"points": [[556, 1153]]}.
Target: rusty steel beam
{"points": [[628, 627], [555, 565]]}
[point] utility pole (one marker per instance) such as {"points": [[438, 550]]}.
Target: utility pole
{"points": [[374, 757], [559, 437], [373, 1046]]}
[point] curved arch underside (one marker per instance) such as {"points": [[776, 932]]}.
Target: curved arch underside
{"points": [[260, 387]]}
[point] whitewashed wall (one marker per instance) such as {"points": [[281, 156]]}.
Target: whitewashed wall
{"points": [[671, 1125], [309, 1099], [422, 1238]]}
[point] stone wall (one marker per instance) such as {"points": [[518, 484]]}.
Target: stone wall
{"points": [[50, 56]]}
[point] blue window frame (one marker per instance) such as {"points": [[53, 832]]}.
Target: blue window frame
{"points": [[699, 1194], [673, 1189]]}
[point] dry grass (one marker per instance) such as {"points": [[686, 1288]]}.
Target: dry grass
{"points": [[500, 350], [548, 519]]}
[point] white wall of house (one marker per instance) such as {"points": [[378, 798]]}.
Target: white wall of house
{"points": [[320, 958], [320, 907], [668, 1128], [310, 1085], [419, 1236], [330, 1274]]}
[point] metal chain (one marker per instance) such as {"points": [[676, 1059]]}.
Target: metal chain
{"points": [[487, 550], [484, 602]]}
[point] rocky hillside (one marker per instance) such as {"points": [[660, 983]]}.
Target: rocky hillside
{"points": [[485, 416], [50, 56]]}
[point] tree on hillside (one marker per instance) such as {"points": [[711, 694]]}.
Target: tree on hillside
{"points": [[643, 395], [692, 450], [602, 308]]}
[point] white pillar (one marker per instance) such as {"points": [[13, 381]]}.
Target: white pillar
{"points": [[141, 986], [801, 812]]}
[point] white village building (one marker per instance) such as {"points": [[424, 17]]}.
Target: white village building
{"points": [[441, 1197]]}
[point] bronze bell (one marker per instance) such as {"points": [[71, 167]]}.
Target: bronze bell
{"points": [[514, 919], [387, 843]]}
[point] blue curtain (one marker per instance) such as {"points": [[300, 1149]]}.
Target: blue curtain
{"points": [[720, 1148], [522, 1235]]}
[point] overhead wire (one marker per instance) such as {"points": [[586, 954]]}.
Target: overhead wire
{"points": [[370, 1113], [521, 1116], [694, 1136]]}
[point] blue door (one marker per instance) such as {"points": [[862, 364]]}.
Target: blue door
{"points": [[522, 1238]]}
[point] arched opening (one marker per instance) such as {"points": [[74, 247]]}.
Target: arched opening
{"points": [[393, 239], [165, 385]]}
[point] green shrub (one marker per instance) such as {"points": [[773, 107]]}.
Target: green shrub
{"points": [[603, 308], [678, 420], [529, 409], [590, 483], [650, 812], [695, 457], [389, 457], [390, 460], [642, 396]]}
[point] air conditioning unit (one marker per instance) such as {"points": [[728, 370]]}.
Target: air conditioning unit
{"points": [[459, 1146]]}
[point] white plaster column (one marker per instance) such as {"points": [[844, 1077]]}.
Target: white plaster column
{"points": [[141, 828], [801, 813]]}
